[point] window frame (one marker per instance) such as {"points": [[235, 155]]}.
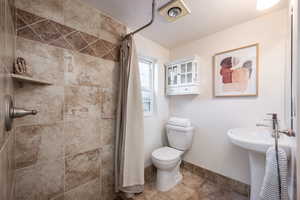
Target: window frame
{"points": [[152, 79]]}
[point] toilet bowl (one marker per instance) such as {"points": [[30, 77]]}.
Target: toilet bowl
{"points": [[167, 161]]}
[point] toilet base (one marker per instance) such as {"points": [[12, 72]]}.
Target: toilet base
{"points": [[167, 179]]}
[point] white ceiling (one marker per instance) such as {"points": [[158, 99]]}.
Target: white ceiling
{"points": [[208, 16]]}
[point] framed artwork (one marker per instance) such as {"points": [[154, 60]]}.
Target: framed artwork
{"points": [[236, 72]]}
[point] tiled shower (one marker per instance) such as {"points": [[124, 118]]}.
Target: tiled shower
{"points": [[66, 150], [7, 43]]}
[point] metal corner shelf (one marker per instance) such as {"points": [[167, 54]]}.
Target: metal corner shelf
{"points": [[21, 78]]}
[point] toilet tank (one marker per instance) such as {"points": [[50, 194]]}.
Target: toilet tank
{"points": [[180, 137]]}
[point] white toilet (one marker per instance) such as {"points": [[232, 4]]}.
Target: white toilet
{"points": [[167, 159]]}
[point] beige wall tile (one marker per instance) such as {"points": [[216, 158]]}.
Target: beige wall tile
{"points": [[38, 49], [108, 190], [51, 9], [48, 100], [11, 162], [82, 102], [7, 55], [107, 160], [42, 181], [88, 191], [82, 135], [38, 143], [108, 132], [44, 61], [82, 17], [82, 168], [109, 104], [68, 139], [3, 134], [4, 168], [59, 197], [111, 30], [81, 69]]}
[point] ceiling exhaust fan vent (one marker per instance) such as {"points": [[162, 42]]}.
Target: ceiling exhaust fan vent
{"points": [[174, 10]]}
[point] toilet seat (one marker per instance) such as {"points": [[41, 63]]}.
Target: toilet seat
{"points": [[166, 154]]}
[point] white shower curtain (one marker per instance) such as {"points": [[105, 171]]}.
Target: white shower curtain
{"points": [[129, 149]]}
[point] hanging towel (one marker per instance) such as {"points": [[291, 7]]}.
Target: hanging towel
{"points": [[270, 186], [176, 121]]}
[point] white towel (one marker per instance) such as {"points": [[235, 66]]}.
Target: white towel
{"points": [[270, 188], [176, 121]]}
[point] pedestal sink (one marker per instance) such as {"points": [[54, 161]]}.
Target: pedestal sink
{"points": [[257, 141]]}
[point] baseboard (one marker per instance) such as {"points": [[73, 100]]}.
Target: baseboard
{"points": [[223, 181]]}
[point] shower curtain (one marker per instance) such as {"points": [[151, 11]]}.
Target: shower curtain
{"points": [[129, 146]]}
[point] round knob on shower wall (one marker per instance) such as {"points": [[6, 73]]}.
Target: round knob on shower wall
{"points": [[10, 112]]}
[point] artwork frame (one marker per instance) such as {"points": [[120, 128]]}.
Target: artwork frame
{"points": [[231, 82]]}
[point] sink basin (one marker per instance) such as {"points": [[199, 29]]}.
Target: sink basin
{"points": [[258, 139]]}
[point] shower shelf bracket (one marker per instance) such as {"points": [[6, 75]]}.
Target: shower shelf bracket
{"points": [[23, 79]]}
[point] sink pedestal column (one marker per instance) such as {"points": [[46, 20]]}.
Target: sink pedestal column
{"points": [[257, 171]]}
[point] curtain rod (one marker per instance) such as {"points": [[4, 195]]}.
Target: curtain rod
{"points": [[145, 26]]}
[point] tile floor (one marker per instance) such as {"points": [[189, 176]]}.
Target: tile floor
{"points": [[192, 187]]}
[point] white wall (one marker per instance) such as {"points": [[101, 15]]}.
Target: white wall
{"points": [[154, 125], [211, 116]]}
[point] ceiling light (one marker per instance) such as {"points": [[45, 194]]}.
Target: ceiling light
{"points": [[174, 12], [265, 4]]}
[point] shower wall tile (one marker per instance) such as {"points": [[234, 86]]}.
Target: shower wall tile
{"points": [[7, 168], [88, 191], [82, 135], [37, 49], [76, 41], [23, 18], [87, 70], [109, 104], [108, 190], [51, 9], [38, 143], [82, 102], [59, 197], [111, 30], [77, 14], [107, 170], [4, 174], [11, 163], [82, 69], [107, 132], [46, 30], [28, 33], [48, 101], [82, 168], [107, 161], [113, 54], [44, 61], [42, 181], [62, 43], [74, 35], [7, 54], [101, 48], [66, 151]]}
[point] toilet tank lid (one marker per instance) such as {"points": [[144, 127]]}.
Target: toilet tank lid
{"points": [[179, 128], [176, 121]]}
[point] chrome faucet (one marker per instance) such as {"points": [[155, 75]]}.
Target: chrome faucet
{"points": [[275, 127]]}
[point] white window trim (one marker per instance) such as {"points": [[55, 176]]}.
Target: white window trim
{"points": [[153, 64]]}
